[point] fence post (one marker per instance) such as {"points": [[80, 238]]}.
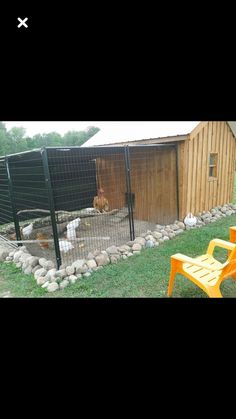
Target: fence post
{"points": [[177, 179], [13, 205], [51, 205], [128, 185]]}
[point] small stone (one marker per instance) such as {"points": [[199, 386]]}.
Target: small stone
{"points": [[171, 235], [53, 286], [124, 257], [156, 244], [45, 285], [86, 274], [41, 280], [165, 238], [18, 264], [136, 252], [8, 258], [136, 247], [64, 284], [129, 254], [180, 231], [28, 270], [79, 276]]}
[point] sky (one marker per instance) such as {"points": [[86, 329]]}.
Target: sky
{"points": [[111, 131]]}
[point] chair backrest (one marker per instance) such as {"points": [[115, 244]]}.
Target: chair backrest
{"points": [[229, 267]]}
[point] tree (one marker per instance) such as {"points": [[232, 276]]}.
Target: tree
{"points": [[15, 141]]}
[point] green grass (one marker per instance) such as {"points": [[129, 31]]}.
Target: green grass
{"points": [[145, 275]]}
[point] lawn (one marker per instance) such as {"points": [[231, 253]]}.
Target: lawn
{"points": [[145, 275]]}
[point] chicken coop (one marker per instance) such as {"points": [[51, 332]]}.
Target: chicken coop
{"points": [[47, 195], [42, 191]]}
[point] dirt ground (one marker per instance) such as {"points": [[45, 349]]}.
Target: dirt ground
{"points": [[95, 233]]}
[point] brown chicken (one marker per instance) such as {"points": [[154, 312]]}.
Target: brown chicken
{"points": [[100, 202], [41, 236]]}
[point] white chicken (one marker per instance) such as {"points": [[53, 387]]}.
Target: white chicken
{"points": [[71, 233], [65, 246], [26, 231], [190, 220]]}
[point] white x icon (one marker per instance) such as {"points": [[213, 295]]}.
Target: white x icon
{"points": [[22, 22]]}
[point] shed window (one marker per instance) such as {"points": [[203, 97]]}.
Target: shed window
{"points": [[213, 160]]}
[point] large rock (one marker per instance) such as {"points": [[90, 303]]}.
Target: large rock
{"points": [[181, 225], [70, 270], [124, 248], [43, 262], [61, 273], [91, 264], [50, 276], [36, 268], [39, 273], [157, 235], [72, 279], [149, 243], [3, 254], [90, 256], [80, 266], [49, 264], [102, 259], [112, 250], [137, 247], [64, 284], [17, 255], [140, 240], [32, 261], [53, 286]]}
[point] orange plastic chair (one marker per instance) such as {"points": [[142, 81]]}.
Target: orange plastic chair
{"points": [[205, 271], [232, 234]]}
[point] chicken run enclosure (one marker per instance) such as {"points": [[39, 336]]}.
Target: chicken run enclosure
{"points": [[47, 196]]}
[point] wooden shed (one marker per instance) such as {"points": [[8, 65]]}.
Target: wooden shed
{"points": [[191, 172]]}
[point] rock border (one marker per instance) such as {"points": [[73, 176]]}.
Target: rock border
{"points": [[48, 277]]}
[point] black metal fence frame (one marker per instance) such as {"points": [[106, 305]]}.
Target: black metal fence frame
{"points": [[128, 169]]}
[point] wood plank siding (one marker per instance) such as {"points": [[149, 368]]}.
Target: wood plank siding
{"points": [[198, 190]]}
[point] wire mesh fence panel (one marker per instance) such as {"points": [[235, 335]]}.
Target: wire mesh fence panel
{"points": [[31, 203], [153, 186], [6, 216], [89, 192]]}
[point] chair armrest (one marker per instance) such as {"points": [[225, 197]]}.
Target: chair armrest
{"points": [[220, 243], [186, 259]]}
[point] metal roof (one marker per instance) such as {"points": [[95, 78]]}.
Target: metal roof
{"points": [[119, 131]]}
